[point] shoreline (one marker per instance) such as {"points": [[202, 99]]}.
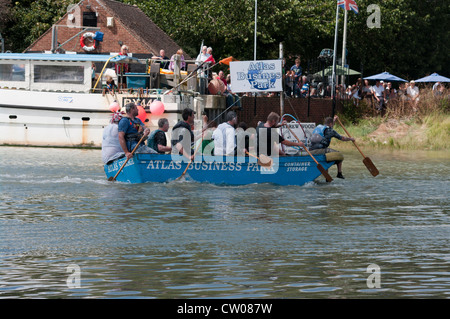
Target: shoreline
{"points": [[430, 132]]}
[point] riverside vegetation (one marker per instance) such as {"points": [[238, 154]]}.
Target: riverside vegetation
{"points": [[400, 127]]}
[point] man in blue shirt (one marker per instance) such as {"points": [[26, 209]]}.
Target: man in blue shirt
{"points": [[297, 69], [305, 86], [131, 129]]}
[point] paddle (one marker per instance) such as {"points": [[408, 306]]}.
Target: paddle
{"points": [[263, 160], [319, 166], [188, 165], [367, 161], [112, 179]]}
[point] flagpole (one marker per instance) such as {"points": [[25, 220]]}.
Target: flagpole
{"points": [[256, 21], [333, 80], [344, 42]]}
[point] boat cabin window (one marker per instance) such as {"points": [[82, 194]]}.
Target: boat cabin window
{"points": [[58, 74], [12, 72]]}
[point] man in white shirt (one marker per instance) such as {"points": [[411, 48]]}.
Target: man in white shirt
{"points": [[224, 136], [111, 149], [201, 72], [380, 94], [413, 93]]}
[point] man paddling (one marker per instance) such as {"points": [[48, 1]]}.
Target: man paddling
{"points": [[224, 136], [321, 139], [182, 135], [131, 130], [265, 141]]}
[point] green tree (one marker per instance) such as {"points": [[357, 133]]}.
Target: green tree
{"points": [[413, 39], [228, 26], [30, 19]]}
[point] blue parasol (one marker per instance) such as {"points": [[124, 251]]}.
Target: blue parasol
{"points": [[434, 78], [385, 76]]}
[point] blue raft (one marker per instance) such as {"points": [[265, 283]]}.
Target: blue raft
{"points": [[287, 170]]}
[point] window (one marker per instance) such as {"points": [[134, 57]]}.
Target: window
{"points": [[89, 19], [58, 74], [12, 72]]}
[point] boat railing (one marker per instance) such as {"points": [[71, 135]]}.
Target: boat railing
{"points": [[157, 77]]}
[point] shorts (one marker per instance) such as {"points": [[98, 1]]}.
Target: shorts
{"points": [[323, 151]]}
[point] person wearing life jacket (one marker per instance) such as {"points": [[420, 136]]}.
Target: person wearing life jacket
{"points": [[182, 136], [157, 139], [321, 139], [131, 130]]}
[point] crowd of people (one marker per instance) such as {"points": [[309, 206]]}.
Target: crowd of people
{"points": [[296, 84], [380, 95], [377, 95]]}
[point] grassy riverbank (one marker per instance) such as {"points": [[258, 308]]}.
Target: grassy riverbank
{"points": [[401, 127]]}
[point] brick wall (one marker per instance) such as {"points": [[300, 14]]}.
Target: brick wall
{"points": [[257, 109], [112, 35]]}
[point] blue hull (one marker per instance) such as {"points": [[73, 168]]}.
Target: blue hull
{"points": [[289, 170]]}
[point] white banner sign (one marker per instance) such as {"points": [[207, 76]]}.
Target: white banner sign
{"points": [[306, 128], [256, 76]]}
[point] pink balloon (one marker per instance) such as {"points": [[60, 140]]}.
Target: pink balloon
{"points": [[157, 108], [114, 107], [142, 115]]}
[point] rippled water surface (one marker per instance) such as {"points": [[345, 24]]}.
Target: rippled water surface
{"points": [[193, 240]]}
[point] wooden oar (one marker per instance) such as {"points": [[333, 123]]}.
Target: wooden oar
{"points": [[188, 165], [263, 160], [319, 166], [367, 161], [112, 179]]}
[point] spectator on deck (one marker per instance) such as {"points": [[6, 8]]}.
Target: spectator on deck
{"points": [[162, 58], [122, 68], [182, 63]]}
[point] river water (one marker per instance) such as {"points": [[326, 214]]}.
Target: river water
{"points": [[65, 232]]}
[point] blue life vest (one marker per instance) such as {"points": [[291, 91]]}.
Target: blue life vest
{"points": [[318, 134], [151, 140]]}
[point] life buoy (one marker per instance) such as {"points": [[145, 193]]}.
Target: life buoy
{"points": [[84, 46]]}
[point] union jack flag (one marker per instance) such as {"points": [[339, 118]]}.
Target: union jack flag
{"points": [[348, 5]]}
